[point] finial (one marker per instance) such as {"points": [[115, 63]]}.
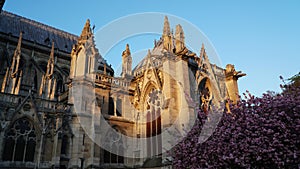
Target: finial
{"points": [[126, 52], [87, 27], [127, 48], [87, 23]]}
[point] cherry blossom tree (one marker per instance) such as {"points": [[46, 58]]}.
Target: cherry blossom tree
{"points": [[258, 132]]}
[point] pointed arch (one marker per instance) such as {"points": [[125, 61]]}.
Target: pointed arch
{"points": [[205, 94], [47, 147], [60, 88], [65, 145], [152, 106], [116, 146], [146, 90], [20, 141]]}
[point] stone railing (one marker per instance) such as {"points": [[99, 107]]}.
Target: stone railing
{"points": [[112, 81], [46, 104], [42, 105], [10, 98], [17, 164]]}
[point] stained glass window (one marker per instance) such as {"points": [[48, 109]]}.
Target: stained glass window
{"points": [[20, 142]]}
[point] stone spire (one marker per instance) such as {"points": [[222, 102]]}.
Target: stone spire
{"points": [[12, 80], [50, 66], [179, 39], [148, 59], [48, 84], [18, 49], [179, 34], [85, 55], [52, 52], [167, 36], [86, 33], [126, 62], [202, 51], [203, 58], [166, 30], [16, 58]]}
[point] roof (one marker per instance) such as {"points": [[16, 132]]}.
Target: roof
{"points": [[36, 32], [155, 53]]}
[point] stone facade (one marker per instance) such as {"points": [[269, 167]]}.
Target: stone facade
{"points": [[58, 95]]}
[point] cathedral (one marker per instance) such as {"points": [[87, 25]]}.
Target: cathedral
{"points": [[63, 106]]}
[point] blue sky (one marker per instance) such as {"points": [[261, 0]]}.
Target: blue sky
{"points": [[261, 38]]}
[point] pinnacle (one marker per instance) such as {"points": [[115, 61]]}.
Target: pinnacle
{"points": [[166, 30], [18, 49], [202, 51], [20, 41], [179, 34], [52, 51], [86, 32]]}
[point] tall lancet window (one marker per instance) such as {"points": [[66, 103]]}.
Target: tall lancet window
{"points": [[153, 125], [115, 145], [20, 142]]}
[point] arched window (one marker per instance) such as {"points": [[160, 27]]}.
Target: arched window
{"points": [[48, 147], [119, 107], [64, 145], [64, 151], [111, 106], [153, 125], [115, 144], [20, 142], [205, 95], [59, 83]]}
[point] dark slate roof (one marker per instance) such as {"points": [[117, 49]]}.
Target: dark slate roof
{"points": [[36, 32]]}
